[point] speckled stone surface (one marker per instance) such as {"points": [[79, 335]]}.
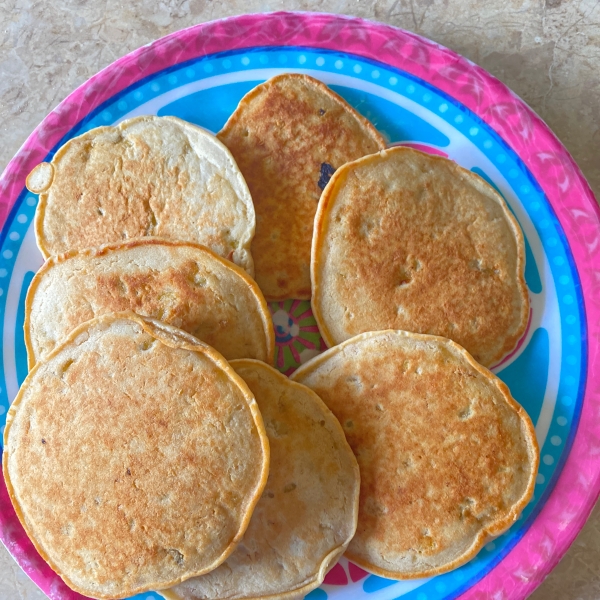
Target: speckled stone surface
{"points": [[547, 51]]}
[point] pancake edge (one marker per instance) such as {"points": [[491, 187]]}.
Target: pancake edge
{"points": [[134, 243], [40, 210], [321, 223], [330, 559], [167, 335], [498, 527]]}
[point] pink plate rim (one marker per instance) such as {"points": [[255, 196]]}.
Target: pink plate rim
{"points": [[578, 486]]}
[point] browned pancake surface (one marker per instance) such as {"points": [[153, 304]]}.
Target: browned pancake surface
{"points": [[307, 514], [447, 458], [282, 135], [181, 284], [146, 176], [134, 457], [405, 240]]}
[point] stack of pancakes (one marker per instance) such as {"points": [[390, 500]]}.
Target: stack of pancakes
{"points": [[154, 447]]}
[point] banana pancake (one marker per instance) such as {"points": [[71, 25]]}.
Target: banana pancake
{"points": [[134, 456], [147, 176], [406, 240], [307, 514], [181, 284], [447, 458], [288, 135]]}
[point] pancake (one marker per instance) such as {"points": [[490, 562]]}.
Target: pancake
{"points": [[134, 456], [447, 458], [181, 284], [307, 514], [288, 135], [147, 176], [406, 240]]}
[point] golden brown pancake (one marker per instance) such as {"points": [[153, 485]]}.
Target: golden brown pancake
{"points": [[134, 456], [147, 176], [288, 135], [447, 458], [406, 240], [307, 514], [181, 284]]}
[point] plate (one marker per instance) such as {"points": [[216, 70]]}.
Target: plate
{"points": [[416, 93]]}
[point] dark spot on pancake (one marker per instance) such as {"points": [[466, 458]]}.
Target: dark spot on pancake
{"points": [[349, 424], [322, 111], [65, 367], [176, 555], [43, 441], [128, 472], [404, 277], [326, 172], [290, 487], [465, 413]]}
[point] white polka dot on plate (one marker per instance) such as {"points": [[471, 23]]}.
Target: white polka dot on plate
{"points": [[555, 440], [302, 59], [14, 236], [375, 74], [155, 87], [540, 479], [562, 421], [320, 61], [548, 460], [393, 80], [245, 61], [357, 68], [31, 201], [3, 272], [474, 131], [7, 254], [338, 64]]}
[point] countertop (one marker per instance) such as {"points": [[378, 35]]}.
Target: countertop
{"points": [[547, 51]]}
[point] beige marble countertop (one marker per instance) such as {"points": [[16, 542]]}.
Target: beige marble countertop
{"points": [[547, 51]]}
